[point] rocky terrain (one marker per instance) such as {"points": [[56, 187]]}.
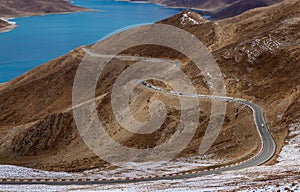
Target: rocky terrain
{"points": [[217, 9], [17, 8], [258, 53]]}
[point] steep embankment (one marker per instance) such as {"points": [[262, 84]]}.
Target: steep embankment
{"points": [[217, 9], [258, 53], [17, 8]]}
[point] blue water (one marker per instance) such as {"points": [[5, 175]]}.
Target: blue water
{"points": [[39, 39]]}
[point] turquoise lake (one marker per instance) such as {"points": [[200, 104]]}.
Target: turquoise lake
{"points": [[39, 39]]}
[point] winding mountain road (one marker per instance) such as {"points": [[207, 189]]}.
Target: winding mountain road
{"points": [[266, 153], [268, 148]]}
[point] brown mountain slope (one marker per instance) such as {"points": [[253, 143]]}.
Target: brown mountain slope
{"points": [[14, 8], [17, 8], [217, 9], [258, 53]]}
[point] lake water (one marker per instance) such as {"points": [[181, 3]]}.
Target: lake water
{"points": [[39, 39]]}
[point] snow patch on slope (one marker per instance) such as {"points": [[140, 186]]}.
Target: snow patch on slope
{"points": [[9, 171], [259, 46], [268, 44], [8, 20], [129, 169], [186, 19]]}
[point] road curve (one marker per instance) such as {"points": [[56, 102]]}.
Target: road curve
{"points": [[266, 153], [268, 144]]}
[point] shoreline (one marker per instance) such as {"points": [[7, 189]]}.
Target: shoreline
{"points": [[7, 19], [12, 25]]}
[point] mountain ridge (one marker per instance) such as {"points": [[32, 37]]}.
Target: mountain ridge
{"points": [[216, 9]]}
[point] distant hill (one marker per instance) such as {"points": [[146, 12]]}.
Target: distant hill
{"points": [[14, 8], [217, 9]]}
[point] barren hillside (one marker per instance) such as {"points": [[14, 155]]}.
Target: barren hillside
{"points": [[217, 9], [17, 8], [258, 53], [14, 8]]}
